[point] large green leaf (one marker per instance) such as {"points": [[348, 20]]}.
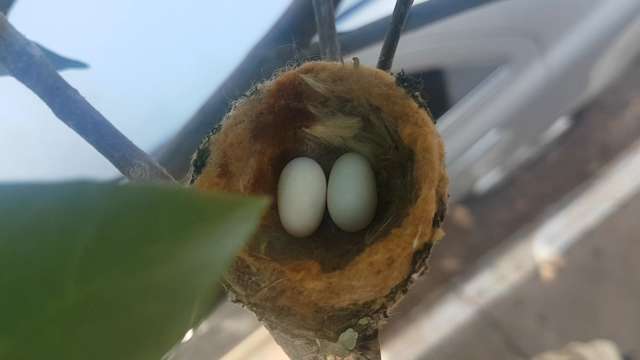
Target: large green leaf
{"points": [[97, 271]]}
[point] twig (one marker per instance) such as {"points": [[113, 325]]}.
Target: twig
{"points": [[291, 33], [398, 19], [5, 6], [352, 9], [26, 63], [326, 24]]}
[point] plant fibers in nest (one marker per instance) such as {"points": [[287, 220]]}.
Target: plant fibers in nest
{"points": [[328, 293]]}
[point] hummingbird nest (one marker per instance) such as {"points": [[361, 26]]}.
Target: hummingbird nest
{"points": [[328, 293]]}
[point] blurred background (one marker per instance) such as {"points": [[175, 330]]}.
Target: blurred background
{"points": [[539, 106]]}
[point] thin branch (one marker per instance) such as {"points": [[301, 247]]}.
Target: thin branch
{"points": [[274, 51], [398, 19], [285, 41], [325, 15], [27, 63]]}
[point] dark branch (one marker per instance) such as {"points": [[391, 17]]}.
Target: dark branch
{"points": [[5, 6], [291, 33], [398, 19], [326, 24], [422, 15], [60, 62], [27, 63], [57, 61]]}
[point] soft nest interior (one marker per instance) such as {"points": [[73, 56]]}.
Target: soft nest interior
{"points": [[323, 125]]}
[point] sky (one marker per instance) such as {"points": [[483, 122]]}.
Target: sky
{"points": [[152, 64]]}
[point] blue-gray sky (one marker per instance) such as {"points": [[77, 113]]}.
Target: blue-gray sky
{"points": [[152, 63]]}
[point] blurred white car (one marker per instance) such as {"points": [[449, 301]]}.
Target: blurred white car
{"points": [[503, 77]]}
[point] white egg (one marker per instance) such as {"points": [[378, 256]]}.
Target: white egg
{"points": [[351, 194], [302, 191]]}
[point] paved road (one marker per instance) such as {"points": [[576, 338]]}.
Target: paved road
{"points": [[595, 295]]}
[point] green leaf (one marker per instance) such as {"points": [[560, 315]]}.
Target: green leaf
{"points": [[98, 271]]}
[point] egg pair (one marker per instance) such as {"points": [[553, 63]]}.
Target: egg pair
{"points": [[350, 194]]}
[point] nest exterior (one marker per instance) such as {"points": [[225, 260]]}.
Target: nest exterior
{"points": [[331, 282]]}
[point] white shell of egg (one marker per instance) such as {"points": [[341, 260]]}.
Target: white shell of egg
{"points": [[302, 190], [351, 194]]}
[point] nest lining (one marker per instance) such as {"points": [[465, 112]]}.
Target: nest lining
{"points": [[342, 125], [323, 110]]}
